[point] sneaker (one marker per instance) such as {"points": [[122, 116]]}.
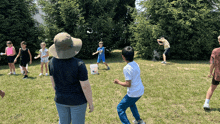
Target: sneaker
{"points": [[108, 68], [206, 106], [140, 122], [25, 77], [40, 74], [14, 73], [163, 62], [10, 73], [46, 74]]}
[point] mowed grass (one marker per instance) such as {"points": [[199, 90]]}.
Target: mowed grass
{"points": [[174, 93]]}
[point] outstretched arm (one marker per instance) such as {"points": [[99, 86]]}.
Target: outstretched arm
{"points": [[17, 55], [95, 53]]}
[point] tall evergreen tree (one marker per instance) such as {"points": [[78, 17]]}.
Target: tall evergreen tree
{"points": [[191, 27], [17, 25], [100, 17]]}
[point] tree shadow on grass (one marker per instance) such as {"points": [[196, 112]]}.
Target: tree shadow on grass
{"points": [[1, 74]]}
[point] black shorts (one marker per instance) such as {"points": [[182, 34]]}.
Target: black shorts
{"points": [[214, 82], [23, 63], [166, 51], [11, 59]]}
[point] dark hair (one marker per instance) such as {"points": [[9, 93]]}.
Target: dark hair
{"points": [[23, 42], [9, 42], [128, 53]]}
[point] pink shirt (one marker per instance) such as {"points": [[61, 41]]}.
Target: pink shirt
{"points": [[9, 50], [215, 59]]}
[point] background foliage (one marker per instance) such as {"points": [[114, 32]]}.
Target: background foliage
{"points": [[191, 27], [17, 25], [107, 20]]}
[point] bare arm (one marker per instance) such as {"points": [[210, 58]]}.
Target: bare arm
{"points": [[17, 55], [30, 56], [88, 93], [38, 56], [159, 42], [52, 81], [95, 53], [127, 83], [211, 69]]}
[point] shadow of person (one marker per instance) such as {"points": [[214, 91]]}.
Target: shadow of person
{"points": [[213, 109]]}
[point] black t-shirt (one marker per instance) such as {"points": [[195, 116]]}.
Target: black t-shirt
{"points": [[66, 74], [25, 55]]}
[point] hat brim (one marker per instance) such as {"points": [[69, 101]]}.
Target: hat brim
{"points": [[68, 53]]}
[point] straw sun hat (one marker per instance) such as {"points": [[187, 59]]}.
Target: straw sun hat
{"points": [[65, 46]]}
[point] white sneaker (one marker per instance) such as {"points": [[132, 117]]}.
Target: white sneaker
{"points": [[141, 122], [162, 62], [46, 74], [40, 74], [14, 73], [206, 106]]}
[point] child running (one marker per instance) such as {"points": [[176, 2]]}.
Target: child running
{"points": [[214, 64], [25, 57], [44, 55], [166, 48], [10, 52], [135, 88], [101, 56]]}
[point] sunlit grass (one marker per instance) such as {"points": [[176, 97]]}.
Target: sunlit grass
{"points": [[174, 93]]}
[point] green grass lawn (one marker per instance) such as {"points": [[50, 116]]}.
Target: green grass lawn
{"points": [[174, 93]]}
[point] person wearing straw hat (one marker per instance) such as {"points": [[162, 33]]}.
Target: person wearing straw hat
{"points": [[69, 79]]}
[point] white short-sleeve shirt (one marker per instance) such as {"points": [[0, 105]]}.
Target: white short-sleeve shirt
{"points": [[132, 72], [44, 53]]}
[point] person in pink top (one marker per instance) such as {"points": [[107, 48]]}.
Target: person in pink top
{"points": [[10, 52], [214, 64]]}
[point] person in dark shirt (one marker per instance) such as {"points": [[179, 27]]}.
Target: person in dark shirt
{"points": [[69, 79], [25, 57]]}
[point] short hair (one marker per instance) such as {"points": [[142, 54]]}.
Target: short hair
{"points": [[100, 42], [128, 53], [23, 42], [9, 42], [219, 37], [43, 43]]}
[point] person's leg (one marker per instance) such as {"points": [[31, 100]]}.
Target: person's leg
{"points": [[46, 67], [164, 57], [64, 114], [103, 59], [78, 114], [13, 67], [25, 70], [210, 91], [123, 105], [134, 109], [10, 68], [42, 67]]}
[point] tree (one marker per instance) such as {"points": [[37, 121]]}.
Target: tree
{"points": [[17, 25], [101, 18], [191, 27]]}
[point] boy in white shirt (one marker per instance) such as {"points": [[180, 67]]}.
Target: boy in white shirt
{"points": [[44, 55], [135, 88]]}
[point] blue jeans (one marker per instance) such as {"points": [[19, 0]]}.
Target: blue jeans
{"points": [[69, 112], [124, 104]]}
